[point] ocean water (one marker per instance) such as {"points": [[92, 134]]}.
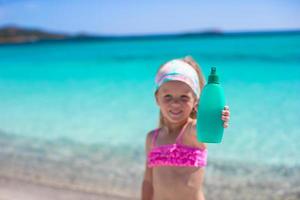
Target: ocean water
{"points": [[98, 94]]}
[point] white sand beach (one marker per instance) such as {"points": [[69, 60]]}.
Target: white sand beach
{"points": [[16, 189]]}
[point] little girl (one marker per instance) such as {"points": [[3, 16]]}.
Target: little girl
{"points": [[175, 159]]}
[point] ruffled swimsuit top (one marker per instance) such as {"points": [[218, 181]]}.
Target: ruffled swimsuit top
{"points": [[177, 154]]}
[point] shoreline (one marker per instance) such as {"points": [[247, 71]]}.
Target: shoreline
{"points": [[228, 181], [215, 187], [65, 38]]}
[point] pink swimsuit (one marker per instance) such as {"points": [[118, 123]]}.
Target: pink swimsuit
{"points": [[177, 154]]}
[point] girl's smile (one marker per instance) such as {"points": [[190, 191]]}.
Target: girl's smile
{"points": [[175, 114]]}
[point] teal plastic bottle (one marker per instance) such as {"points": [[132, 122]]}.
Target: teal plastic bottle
{"points": [[211, 103]]}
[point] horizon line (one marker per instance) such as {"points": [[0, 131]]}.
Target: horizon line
{"points": [[212, 31]]}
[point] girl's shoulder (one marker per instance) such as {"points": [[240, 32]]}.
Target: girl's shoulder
{"points": [[149, 138], [151, 134], [194, 134]]}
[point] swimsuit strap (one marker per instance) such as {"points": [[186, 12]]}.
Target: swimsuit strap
{"points": [[179, 137], [154, 138]]}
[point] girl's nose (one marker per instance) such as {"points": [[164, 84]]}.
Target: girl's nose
{"points": [[176, 102]]}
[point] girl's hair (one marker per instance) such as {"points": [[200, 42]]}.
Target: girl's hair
{"points": [[194, 64]]}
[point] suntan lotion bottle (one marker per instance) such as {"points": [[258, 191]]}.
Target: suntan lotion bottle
{"points": [[209, 116]]}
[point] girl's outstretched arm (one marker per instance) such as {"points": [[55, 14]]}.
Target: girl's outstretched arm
{"points": [[147, 188]]}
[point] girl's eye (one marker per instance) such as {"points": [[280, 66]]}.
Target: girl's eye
{"points": [[167, 97], [185, 98]]}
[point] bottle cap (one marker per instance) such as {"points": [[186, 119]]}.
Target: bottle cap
{"points": [[213, 77]]}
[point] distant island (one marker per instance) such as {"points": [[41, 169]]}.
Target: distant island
{"points": [[12, 34], [17, 35]]}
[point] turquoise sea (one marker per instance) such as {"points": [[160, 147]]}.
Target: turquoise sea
{"points": [[97, 97]]}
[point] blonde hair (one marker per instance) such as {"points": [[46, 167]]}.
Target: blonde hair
{"points": [[190, 60]]}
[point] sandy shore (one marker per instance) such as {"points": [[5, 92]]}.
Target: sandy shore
{"points": [[16, 189], [216, 187], [219, 186]]}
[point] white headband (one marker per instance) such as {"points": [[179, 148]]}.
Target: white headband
{"points": [[178, 70]]}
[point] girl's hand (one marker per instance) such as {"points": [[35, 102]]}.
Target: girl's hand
{"points": [[225, 116]]}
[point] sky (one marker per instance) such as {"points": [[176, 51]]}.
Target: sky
{"points": [[140, 17]]}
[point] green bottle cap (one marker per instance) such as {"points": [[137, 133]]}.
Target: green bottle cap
{"points": [[213, 77]]}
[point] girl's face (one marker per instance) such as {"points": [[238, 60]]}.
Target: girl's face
{"points": [[176, 101]]}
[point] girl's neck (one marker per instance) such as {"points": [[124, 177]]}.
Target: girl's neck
{"points": [[174, 128]]}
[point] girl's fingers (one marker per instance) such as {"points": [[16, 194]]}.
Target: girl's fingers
{"points": [[225, 112], [225, 125], [225, 118]]}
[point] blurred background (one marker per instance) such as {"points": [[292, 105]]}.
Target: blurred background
{"points": [[77, 84]]}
